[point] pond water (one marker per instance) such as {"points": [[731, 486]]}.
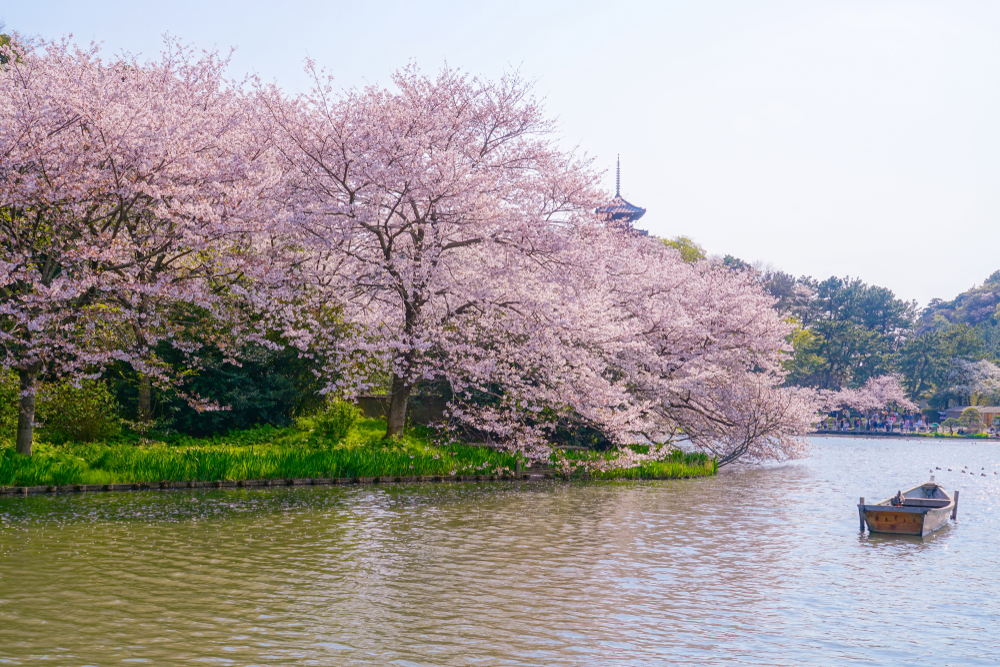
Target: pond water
{"points": [[758, 566]]}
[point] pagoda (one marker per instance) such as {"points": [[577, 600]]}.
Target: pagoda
{"points": [[621, 212]]}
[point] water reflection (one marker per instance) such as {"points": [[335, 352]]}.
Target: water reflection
{"points": [[756, 566], [914, 542]]}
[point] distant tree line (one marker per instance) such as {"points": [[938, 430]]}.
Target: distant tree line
{"points": [[848, 332]]}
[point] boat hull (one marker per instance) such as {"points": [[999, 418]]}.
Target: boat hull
{"points": [[905, 520]]}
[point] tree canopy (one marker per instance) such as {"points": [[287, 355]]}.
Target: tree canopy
{"points": [[155, 215], [847, 333]]}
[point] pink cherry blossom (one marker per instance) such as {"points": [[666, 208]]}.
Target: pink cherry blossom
{"points": [[134, 209], [878, 393], [434, 231], [461, 244]]}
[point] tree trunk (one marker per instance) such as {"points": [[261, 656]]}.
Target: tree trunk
{"points": [[145, 399], [398, 398], [26, 413]]}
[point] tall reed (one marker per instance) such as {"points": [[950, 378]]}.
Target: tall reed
{"points": [[295, 452], [125, 463]]}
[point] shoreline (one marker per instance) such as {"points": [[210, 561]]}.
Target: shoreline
{"points": [[67, 489], [905, 436], [269, 456]]}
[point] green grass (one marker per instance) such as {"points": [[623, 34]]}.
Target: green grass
{"points": [[940, 434], [677, 464], [270, 453]]}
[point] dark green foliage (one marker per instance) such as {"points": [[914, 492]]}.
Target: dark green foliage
{"points": [[977, 310], [973, 307], [4, 41], [65, 412], [989, 333], [844, 353], [932, 414], [850, 331], [971, 419], [10, 397], [924, 359], [736, 263], [267, 387], [580, 435], [564, 429], [81, 413], [335, 421], [785, 288], [858, 330]]}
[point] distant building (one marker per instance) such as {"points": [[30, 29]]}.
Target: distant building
{"points": [[621, 212], [989, 413]]}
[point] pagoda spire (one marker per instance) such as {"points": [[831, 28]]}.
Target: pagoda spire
{"points": [[618, 177], [620, 211]]}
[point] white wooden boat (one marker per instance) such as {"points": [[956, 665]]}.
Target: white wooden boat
{"points": [[924, 509]]}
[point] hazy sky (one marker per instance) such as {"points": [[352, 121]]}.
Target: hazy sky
{"points": [[823, 138]]}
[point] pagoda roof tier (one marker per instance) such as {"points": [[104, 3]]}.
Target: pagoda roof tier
{"points": [[619, 209]]}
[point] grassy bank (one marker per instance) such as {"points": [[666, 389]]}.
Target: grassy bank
{"points": [[268, 453], [679, 464]]}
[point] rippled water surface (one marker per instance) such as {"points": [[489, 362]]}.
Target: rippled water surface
{"points": [[759, 566]]}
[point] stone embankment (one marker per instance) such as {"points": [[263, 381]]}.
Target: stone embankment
{"points": [[259, 483], [254, 483]]}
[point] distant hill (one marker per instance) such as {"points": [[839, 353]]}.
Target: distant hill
{"points": [[976, 307]]}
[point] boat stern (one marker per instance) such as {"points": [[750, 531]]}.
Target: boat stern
{"points": [[897, 520]]}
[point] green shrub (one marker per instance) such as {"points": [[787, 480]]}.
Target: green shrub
{"points": [[336, 420], [951, 424], [83, 414], [10, 400], [971, 420], [266, 387]]}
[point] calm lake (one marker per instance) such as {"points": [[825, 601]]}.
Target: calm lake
{"points": [[758, 566]]}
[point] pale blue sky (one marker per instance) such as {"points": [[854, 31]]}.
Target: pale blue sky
{"points": [[823, 138]]}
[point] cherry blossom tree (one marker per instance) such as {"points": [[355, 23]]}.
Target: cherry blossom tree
{"points": [[878, 393], [421, 206], [972, 380], [647, 348], [462, 244], [129, 192], [431, 232]]}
